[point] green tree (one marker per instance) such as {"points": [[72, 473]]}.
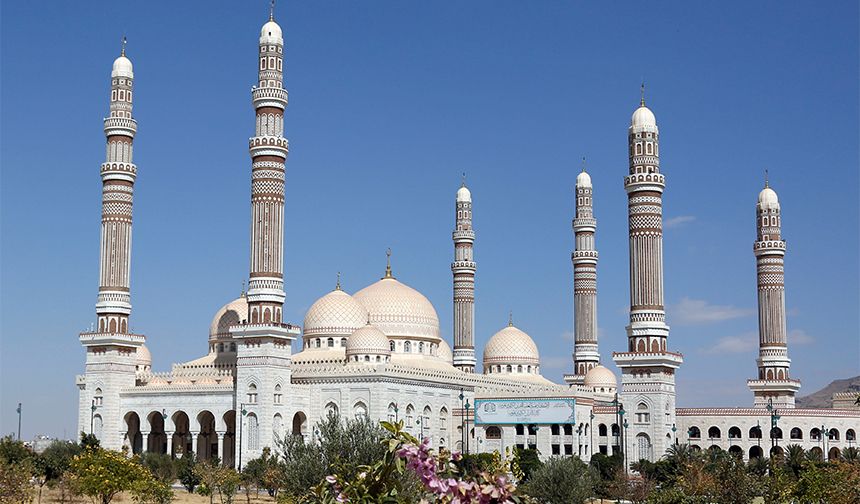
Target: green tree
{"points": [[151, 490], [185, 471], [795, 458], [57, 458], [89, 440], [528, 460], [13, 451], [607, 467], [566, 480], [160, 465], [15, 481], [101, 474]]}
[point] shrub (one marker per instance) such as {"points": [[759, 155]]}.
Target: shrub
{"points": [[13, 451], [185, 471], [475, 463], [160, 465], [101, 474], [151, 491], [528, 461], [566, 480], [15, 481]]}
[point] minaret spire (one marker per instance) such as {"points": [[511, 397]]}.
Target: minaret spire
{"points": [[122, 51], [584, 258], [463, 269], [642, 94], [774, 385], [388, 273]]}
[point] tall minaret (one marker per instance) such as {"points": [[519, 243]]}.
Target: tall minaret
{"points": [[112, 351], [269, 151], [263, 353], [647, 368], [584, 257], [464, 268], [118, 174], [774, 384]]}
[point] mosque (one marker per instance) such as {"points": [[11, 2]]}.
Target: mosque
{"points": [[380, 352]]}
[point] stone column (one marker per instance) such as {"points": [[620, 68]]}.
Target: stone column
{"points": [[145, 436], [219, 451], [169, 435], [194, 447]]}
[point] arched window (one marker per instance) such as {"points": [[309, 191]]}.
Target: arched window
{"points": [[330, 342], [252, 394], [850, 435], [529, 368], [493, 432], [97, 397], [615, 430], [601, 430], [443, 418], [520, 368], [391, 345], [734, 433], [421, 347], [407, 347], [319, 343], [520, 429], [425, 421], [694, 433], [343, 342], [510, 369], [359, 411], [755, 433], [97, 426], [331, 409], [278, 396], [366, 358], [796, 433], [554, 429], [410, 414], [643, 443], [815, 434], [714, 433], [392, 412], [642, 413], [253, 432], [568, 429], [277, 428], [232, 347], [833, 435], [776, 433], [220, 347]]}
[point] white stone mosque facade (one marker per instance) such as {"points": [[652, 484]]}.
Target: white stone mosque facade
{"points": [[381, 353]]}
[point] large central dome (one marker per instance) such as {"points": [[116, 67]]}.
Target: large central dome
{"points": [[398, 310]]}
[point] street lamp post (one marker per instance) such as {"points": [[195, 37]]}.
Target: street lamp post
{"points": [[774, 419], [92, 415], [674, 433], [462, 421], [396, 413], [824, 437], [19, 421], [421, 427], [467, 426], [624, 449], [242, 413]]}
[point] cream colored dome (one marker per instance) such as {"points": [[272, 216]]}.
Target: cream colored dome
{"points": [[398, 310], [511, 346], [583, 180], [271, 33], [600, 376], [122, 68], [444, 351], [643, 117], [335, 314], [230, 314], [463, 194], [367, 340], [144, 357], [767, 199]]}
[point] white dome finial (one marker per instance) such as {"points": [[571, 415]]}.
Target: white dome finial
{"points": [[583, 179]]}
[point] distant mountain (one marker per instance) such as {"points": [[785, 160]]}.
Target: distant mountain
{"points": [[824, 397]]}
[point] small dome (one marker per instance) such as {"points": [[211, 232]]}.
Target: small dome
{"points": [[335, 314], [444, 352], [398, 310], [643, 117], [271, 33], [143, 355], [367, 340], [122, 68], [228, 315], [463, 194], [583, 180], [511, 346], [767, 199], [600, 376]]}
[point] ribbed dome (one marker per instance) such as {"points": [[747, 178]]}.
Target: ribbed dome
{"points": [[398, 310], [583, 180], [463, 194], [367, 340], [600, 376], [444, 351], [271, 33], [767, 199], [144, 357], [122, 68], [228, 315], [335, 314], [511, 346], [643, 117]]}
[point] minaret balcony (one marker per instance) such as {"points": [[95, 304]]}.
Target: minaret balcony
{"points": [[269, 146], [464, 235], [98, 338], [120, 126], [270, 97], [645, 182], [769, 247], [584, 256]]}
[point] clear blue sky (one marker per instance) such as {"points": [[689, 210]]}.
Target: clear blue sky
{"points": [[389, 102]]}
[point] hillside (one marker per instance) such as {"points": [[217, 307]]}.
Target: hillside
{"points": [[822, 398]]}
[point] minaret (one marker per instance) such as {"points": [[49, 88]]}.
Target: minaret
{"points": [[774, 385], [464, 268], [268, 150], [263, 353], [647, 368], [584, 257], [112, 351]]}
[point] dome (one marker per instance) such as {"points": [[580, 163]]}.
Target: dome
{"points": [[767, 199], [444, 351], [122, 68], [511, 346], [398, 310], [230, 314], [336, 313], [463, 194], [643, 117], [271, 33], [144, 357], [600, 376], [367, 340], [583, 179]]}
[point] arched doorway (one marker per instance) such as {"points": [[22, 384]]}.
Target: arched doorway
{"points": [[776, 452], [817, 453], [300, 424], [833, 454], [133, 436], [643, 446], [157, 442], [228, 457], [736, 451], [181, 434], [756, 452], [207, 440]]}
